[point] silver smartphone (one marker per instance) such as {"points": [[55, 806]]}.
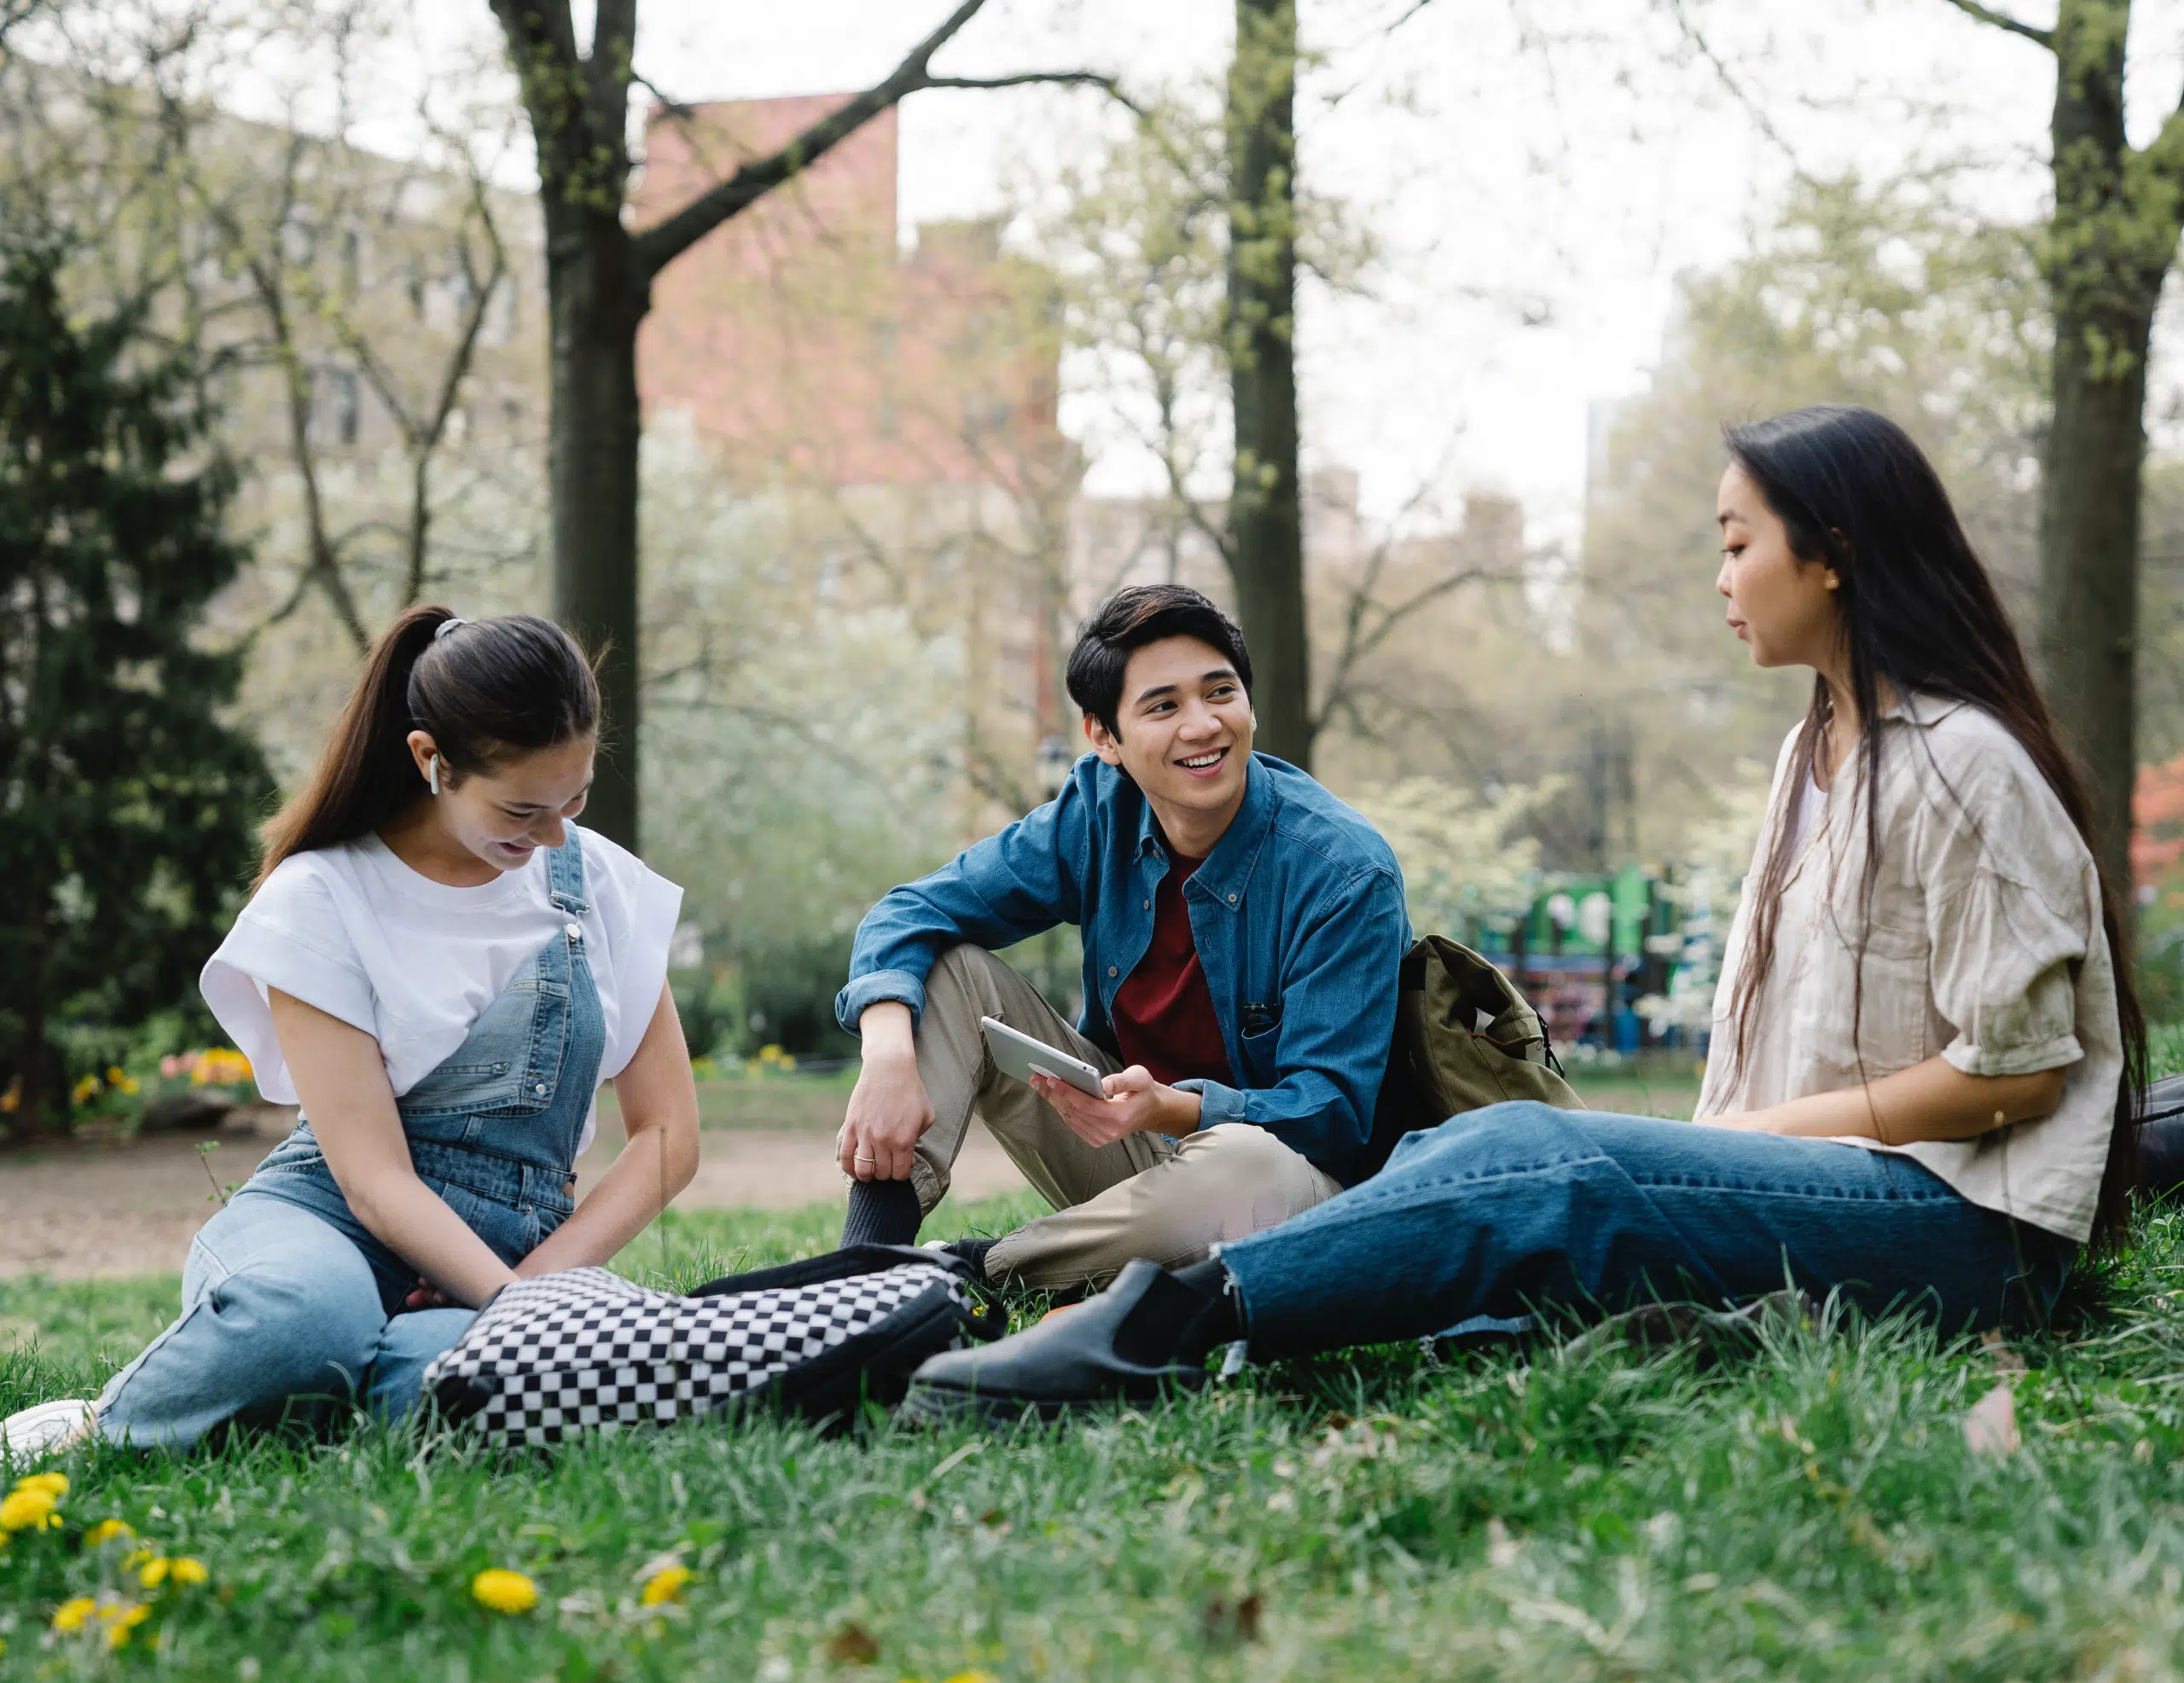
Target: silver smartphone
{"points": [[1019, 1055]]}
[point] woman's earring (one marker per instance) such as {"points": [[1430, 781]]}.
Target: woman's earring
{"points": [[433, 769]]}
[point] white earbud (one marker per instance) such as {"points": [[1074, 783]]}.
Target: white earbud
{"points": [[434, 765]]}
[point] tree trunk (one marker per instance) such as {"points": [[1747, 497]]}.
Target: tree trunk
{"points": [[1265, 513], [2107, 250], [596, 297], [2088, 599]]}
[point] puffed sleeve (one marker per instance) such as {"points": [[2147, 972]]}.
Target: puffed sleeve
{"points": [[640, 908], [2012, 912], [289, 937]]}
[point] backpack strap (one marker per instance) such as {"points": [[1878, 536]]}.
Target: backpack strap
{"points": [[845, 1263]]}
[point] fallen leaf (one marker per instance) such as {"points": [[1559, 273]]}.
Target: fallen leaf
{"points": [[1990, 1428], [849, 1645], [1226, 1623]]}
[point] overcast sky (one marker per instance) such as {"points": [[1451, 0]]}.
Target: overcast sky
{"points": [[1510, 176]]}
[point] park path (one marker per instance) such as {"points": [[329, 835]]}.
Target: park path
{"points": [[112, 1209]]}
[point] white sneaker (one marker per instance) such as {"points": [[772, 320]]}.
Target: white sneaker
{"points": [[46, 1429]]}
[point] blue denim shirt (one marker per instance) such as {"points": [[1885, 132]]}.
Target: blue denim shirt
{"points": [[1298, 915]]}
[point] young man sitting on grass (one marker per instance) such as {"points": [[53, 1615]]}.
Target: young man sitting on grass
{"points": [[1242, 932]]}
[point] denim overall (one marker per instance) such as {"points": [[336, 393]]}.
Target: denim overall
{"points": [[287, 1295]]}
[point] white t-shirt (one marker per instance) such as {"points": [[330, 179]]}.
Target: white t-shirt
{"points": [[414, 962]]}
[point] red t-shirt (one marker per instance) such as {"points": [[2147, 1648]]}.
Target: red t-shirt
{"points": [[1164, 1011]]}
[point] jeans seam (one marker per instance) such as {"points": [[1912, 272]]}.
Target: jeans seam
{"points": [[115, 1388]]}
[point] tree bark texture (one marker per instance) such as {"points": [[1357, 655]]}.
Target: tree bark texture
{"points": [[2108, 247], [597, 298], [1265, 509]]}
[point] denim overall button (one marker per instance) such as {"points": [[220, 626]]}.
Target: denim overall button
{"points": [[576, 932], [540, 1089]]}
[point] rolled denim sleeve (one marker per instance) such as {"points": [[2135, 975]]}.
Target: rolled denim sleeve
{"points": [[1003, 890], [1331, 1048]]}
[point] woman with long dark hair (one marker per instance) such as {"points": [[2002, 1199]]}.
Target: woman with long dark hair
{"points": [[1925, 1048], [441, 968]]}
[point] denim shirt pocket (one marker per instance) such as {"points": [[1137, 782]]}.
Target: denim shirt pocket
{"points": [[510, 1065], [1260, 1037]]}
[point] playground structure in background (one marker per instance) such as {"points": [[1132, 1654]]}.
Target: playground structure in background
{"points": [[1617, 963]]}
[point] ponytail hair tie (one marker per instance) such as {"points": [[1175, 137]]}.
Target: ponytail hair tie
{"points": [[448, 625]]}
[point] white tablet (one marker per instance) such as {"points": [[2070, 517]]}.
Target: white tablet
{"points": [[1019, 1055]]}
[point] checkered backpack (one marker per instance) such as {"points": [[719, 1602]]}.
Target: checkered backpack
{"points": [[585, 1350]]}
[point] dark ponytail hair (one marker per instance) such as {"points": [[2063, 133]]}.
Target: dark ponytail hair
{"points": [[1919, 613], [488, 691]]}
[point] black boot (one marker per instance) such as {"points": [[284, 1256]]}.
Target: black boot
{"points": [[1148, 1333]]}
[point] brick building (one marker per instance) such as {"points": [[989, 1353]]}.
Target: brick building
{"points": [[808, 340]]}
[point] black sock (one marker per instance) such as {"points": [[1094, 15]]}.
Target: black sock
{"points": [[882, 1212]]}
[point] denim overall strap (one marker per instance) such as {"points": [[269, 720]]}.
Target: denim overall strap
{"points": [[565, 876], [493, 1130]]}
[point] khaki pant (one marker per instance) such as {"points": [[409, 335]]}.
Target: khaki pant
{"points": [[1141, 1196]]}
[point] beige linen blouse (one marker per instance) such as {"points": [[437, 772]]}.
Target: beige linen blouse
{"points": [[1986, 947]]}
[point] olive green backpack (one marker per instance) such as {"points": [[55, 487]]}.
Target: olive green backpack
{"points": [[1464, 1038]]}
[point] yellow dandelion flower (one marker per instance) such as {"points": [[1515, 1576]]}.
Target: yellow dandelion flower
{"points": [[187, 1568], [974, 1675], [153, 1572], [130, 1085], [665, 1584], [70, 1615], [56, 1483], [115, 1075], [121, 1617], [504, 1591], [107, 1531], [137, 1557], [22, 1510]]}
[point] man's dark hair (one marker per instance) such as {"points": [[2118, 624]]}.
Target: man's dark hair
{"points": [[1130, 619]]}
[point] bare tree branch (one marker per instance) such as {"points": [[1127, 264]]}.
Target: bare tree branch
{"points": [[680, 110], [659, 244], [1060, 79], [1753, 107], [1973, 9]]}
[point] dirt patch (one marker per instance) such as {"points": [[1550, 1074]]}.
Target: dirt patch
{"points": [[84, 1211]]}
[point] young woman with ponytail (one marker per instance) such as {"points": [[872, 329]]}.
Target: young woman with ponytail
{"points": [[441, 968], [1925, 1050]]}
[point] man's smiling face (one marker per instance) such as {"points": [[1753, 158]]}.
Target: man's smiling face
{"points": [[1184, 726]]}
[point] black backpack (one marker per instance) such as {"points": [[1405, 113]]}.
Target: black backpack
{"points": [[585, 1350]]}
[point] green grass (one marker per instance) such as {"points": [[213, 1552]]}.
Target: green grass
{"points": [[1812, 1511]]}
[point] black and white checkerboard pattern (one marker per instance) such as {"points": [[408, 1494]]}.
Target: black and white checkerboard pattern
{"points": [[585, 1350]]}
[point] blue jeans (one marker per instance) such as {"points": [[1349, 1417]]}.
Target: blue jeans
{"points": [[282, 1316], [288, 1300], [1522, 1206]]}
